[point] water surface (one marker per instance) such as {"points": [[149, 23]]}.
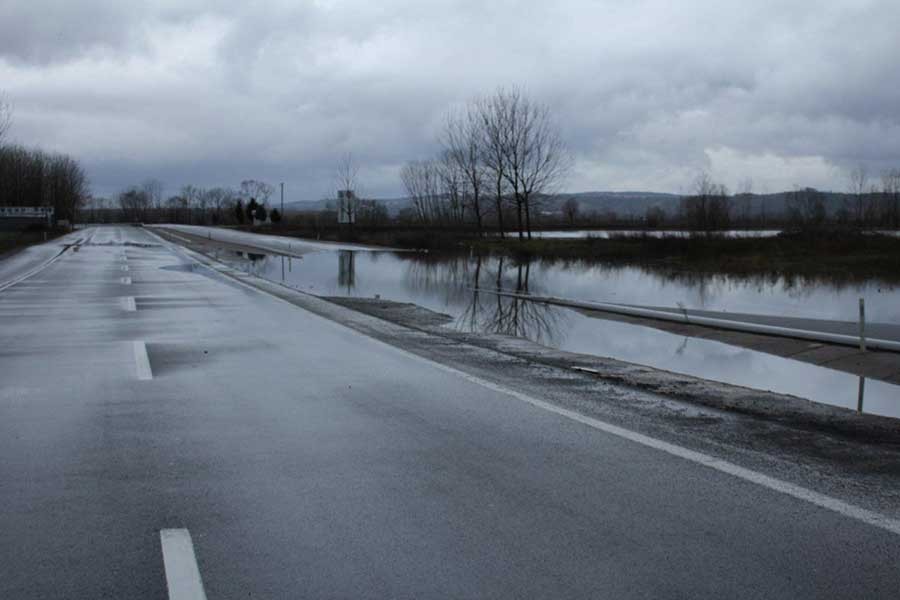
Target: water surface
{"points": [[447, 285]]}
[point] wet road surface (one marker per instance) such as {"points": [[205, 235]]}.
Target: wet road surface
{"points": [[139, 393]]}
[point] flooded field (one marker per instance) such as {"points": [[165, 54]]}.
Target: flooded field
{"points": [[607, 233], [448, 285]]}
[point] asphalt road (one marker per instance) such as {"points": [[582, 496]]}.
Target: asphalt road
{"points": [[140, 393]]}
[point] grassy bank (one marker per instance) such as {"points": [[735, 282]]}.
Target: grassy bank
{"points": [[849, 255], [852, 255]]}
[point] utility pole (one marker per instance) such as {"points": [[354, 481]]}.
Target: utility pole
{"points": [[282, 199]]}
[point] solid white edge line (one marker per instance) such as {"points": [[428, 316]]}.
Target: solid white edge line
{"points": [[10, 283], [128, 303], [182, 574], [142, 361], [799, 492]]}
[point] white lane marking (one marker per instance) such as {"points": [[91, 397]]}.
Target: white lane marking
{"points": [[124, 267], [182, 574], [128, 303], [801, 493], [142, 361], [125, 280], [777, 485]]}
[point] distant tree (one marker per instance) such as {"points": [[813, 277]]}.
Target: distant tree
{"points": [[261, 213], [134, 203], [806, 208], [654, 216], [346, 173], [251, 210], [257, 190], [275, 216], [239, 211], [570, 210], [153, 189], [890, 198], [423, 187], [858, 180], [708, 208], [371, 212], [5, 118]]}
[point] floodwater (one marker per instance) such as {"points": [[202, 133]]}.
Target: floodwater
{"points": [[447, 285], [658, 233]]}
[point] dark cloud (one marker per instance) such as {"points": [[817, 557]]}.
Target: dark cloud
{"points": [[647, 92]]}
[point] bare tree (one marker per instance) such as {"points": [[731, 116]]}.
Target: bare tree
{"points": [[858, 180], [134, 203], [423, 186], [570, 210], [256, 190], [346, 173], [153, 190], [453, 194], [219, 200], [532, 154], [806, 208], [744, 200], [5, 118], [491, 129], [708, 208], [890, 198], [462, 140], [193, 197]]}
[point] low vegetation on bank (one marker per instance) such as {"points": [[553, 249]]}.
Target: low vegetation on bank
{"points": [[848, 254]]}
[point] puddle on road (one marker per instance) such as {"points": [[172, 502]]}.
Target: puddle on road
{"points": [[445, 284]]}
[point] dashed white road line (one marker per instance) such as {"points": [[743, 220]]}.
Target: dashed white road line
{"points": [[182, 574], [128, 303], [142, 361], [125, 280], [124, 267]]}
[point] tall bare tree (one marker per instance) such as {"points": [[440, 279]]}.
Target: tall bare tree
{"points": [[5, 118], [858, 182], [890, 198], [422, 181], [346, 174], [492, 133], [462, 140], [532, 153], [256, 190]]}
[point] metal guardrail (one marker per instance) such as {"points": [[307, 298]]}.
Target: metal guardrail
{"points": [[860, 341]]}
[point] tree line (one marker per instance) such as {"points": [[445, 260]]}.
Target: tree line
{"points": [[866, 204], [500, 155], [33, 177], [146, 203]]}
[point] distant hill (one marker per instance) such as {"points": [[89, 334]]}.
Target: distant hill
{"points": [[623, 203]]}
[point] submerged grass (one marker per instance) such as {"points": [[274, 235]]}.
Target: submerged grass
{"points": [[850, 255]]}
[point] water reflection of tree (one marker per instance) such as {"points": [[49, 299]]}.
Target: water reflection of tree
{"points": [[492, 313], [447, 278], [347, 269]]}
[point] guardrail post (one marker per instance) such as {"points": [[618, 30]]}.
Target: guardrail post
{"points": [[862, 324], [862, 392]]}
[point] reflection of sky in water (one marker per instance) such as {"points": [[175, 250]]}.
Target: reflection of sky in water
{"points": [[445, 285]]}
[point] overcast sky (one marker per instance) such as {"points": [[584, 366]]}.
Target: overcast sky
{"points": [[647, 93]]}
